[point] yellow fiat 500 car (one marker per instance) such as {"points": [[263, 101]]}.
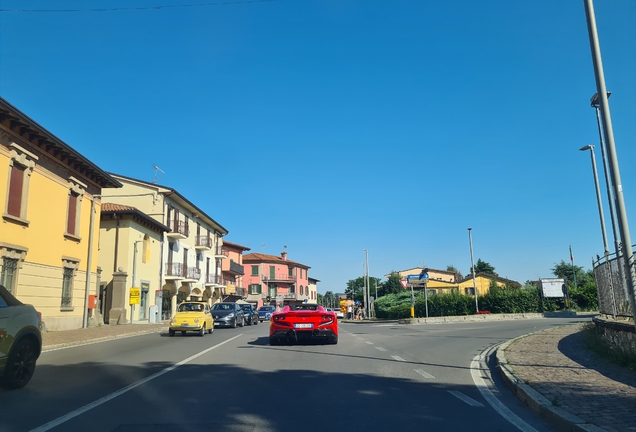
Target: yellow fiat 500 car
{"points": [[192, 316]]}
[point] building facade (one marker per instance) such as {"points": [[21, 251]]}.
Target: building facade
{"points": [[191, 251], [233, 272], [277, 280], [129, 239], [50, 220]]}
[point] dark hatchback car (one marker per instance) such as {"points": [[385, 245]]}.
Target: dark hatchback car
{"points": [[251, 316], [20, 341], [228, 315]]}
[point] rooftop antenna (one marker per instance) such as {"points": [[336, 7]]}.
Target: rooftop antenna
{"points": [[157, 171]]}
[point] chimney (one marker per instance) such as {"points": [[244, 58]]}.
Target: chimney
{"points": [[283, 255]]}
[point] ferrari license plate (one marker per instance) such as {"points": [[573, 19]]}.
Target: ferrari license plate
{"points": [[303, 325]]}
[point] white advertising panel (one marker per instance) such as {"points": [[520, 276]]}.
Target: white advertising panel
{"points": [[552, 287]]}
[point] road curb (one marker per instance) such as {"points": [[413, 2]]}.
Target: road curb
{"points": [[46, 348], [542, 406]]}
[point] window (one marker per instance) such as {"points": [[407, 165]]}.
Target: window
{"points": [[11, 258], [21, 166], [291, 271], [272, 272], [301, 290], [9, 273], [68, 279], [67, 288], [255, 270], [75, 194], [469, 291], [255, 289]]}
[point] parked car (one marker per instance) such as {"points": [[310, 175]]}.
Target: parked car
{"points": [[265, 313], [228, 315], [20, 341], [251, 316], [192, 316], [303, 323]]}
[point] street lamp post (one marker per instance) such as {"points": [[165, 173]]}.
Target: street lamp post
{"points": [[472, 265], [608, 132], [590, 147], [367, 306]]}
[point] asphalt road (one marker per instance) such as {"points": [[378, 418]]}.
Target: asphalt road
{"points": [[380, 377]]}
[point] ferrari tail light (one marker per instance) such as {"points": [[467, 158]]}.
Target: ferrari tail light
{"points": [[280, 318]]}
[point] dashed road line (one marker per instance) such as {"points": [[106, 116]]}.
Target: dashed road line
{"points": [[398, 358], [461, 396], [370, 343], [380, 349], [424, 373]]}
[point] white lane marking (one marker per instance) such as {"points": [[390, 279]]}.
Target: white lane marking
{"points": [[370, 343], [63, 419], [398, 358], [380, 349], [424, 374], [504, 411], [463, 397]]}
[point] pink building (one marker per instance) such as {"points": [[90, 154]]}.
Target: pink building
{"points": [[275, 277], [232, 270]]}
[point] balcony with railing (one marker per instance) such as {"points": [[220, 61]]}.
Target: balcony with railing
{"points": [[179, 271], [219, 252], [174, 271], [213, 279], [236, 268], [180, 230], [203, 242], [192, 274], [280, 277]]}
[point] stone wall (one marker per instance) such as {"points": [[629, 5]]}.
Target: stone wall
{"points": [[620, 334]]}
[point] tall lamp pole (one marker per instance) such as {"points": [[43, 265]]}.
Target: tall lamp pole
{"points": [[608, 132], [367, 306], [590, 147], [472, 267]]}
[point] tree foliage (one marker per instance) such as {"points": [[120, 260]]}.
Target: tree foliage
{"points": [[355, 288], [483, 267], [329, 299], [458, 274], [570, 271], [392, 285]]}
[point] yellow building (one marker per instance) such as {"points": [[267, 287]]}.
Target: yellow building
{"points": [[130, 241], [482, 282], [49, 232]]}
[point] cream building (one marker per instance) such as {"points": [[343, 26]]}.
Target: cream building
{"points": [[191, 251]]}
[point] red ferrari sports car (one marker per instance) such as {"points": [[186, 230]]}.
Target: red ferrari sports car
{"points": [[303, 323]]}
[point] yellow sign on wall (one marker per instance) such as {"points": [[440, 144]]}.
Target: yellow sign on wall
{"points": [[134, 296]]}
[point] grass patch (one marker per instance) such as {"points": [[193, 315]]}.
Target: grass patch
{"points": [[594, 342]]}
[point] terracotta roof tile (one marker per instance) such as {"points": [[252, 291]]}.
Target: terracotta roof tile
{"points": [[270, 258], [236, 245], [110, 207]]}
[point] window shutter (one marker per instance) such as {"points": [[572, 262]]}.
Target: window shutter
{"points": [[15, 190], [72, 213]]}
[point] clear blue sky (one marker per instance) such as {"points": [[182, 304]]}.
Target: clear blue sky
{"points": [[332, 126]]}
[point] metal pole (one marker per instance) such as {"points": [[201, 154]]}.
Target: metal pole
{"points": [[610, 195], [472, 265], [89, 262], [412, 302], [608, 131], [368, 286], [598, 196]]}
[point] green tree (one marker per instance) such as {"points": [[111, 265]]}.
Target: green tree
{"points": [[569, 271], [329, 299], [392, 285], [355, 288], [458, 274], [483, 267]]}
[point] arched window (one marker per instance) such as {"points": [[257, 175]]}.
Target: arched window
{"points": [[301, 290]]}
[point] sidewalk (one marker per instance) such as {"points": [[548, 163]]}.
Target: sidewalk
{"points": [[570, 387], [64, 338]]}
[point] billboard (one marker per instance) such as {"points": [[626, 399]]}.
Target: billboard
{"points": [[552, 287]]}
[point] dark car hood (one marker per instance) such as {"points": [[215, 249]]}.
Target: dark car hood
{"points": [[223, 312]]}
